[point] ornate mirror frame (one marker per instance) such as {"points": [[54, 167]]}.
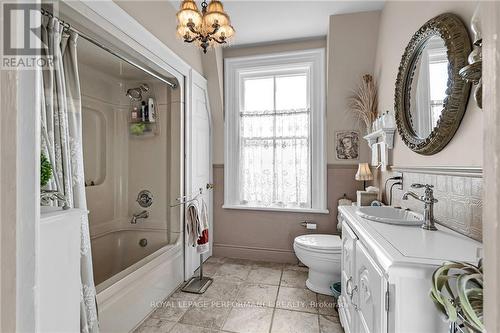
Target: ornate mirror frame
{"points": [[454, 33]]}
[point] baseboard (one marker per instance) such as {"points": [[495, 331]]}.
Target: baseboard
{"points": [[254, 253]]}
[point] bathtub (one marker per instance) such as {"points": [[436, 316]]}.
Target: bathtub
{"points": [[131, 278]]}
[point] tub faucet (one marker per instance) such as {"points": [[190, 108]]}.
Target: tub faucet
{"points": [[142, 215], [428, 200]]}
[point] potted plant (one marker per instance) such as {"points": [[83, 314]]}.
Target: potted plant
{"points": [[457, 291], [45, 170]]}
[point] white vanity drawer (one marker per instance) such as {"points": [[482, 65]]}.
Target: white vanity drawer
{"points": [[346, 307], [370, 293]]}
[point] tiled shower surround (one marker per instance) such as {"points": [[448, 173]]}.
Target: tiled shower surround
{"points": [[460, 198]]}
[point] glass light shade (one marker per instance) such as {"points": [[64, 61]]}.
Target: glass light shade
{"points": [[215, 6], [210, 18], [364, 172], [189, 12], [189, 4], [226, 30], [182, 30]]}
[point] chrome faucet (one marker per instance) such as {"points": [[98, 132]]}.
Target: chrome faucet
{"points": [[142, 215], [428, 200]]}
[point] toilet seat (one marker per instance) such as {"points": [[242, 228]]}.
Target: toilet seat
{"points": [[320, 243]]}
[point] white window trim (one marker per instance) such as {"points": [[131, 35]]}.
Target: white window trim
{"points": [[233, 68]]}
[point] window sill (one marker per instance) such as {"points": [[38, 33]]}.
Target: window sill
{"points": [[277, 209]]}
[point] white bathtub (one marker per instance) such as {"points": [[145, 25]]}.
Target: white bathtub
{"points": [[133, 277]]}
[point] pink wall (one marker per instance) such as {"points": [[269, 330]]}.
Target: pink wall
{"points": [[398, 22], [264, 235]]}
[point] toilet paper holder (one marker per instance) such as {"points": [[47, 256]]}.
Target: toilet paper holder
{"points": [[309, 225]]}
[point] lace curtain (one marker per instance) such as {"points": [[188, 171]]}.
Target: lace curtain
{"points": [[61, 127], [275, 143]]}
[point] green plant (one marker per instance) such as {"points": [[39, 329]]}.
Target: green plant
{"points": [[137, 129], [45, 170], [457, 291]]}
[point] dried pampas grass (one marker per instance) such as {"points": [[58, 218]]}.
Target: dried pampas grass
{"points": [[363, 104]]}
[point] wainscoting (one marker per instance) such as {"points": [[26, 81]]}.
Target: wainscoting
{"points": [[459, 191], [268, 235]]}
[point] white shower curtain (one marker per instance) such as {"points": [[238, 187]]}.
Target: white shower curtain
{"points": [[62, 143]]}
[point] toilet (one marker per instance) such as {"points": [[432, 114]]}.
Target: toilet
{"points": [[321, 253]]}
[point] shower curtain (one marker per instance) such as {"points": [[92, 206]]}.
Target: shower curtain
{"points": [[62, 143]]}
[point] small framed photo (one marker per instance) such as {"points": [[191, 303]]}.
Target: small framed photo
{"points": [[347, 145]]}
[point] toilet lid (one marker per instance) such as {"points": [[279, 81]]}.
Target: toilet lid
{"points": [[320, 242]]}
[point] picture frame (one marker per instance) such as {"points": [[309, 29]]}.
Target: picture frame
{"points": [[347, 145]]}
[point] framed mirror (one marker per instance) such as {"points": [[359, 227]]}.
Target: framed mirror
{"points": [[431, 97]]}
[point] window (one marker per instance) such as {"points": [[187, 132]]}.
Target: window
{"points": [[274, 126], [438, 82]]}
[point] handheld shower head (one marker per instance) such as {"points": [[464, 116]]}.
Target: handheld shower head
{"points": [[135, 94]]}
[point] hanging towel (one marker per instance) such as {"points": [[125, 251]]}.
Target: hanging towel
{"points": [[203, 240], [192, 224]]}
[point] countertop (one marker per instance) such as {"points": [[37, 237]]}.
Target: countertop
{"points": [[412, 244]]}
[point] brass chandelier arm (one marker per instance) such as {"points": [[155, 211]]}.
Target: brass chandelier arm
{"points": [[191, 27], [221, 41]]}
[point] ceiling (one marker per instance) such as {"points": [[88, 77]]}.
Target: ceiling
{"points": [[274, 20]]}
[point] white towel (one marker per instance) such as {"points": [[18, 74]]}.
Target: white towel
{"points": [[192, 224], [197, 226], [203, 240]]}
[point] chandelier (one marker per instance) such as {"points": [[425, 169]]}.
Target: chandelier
{"points": [[210, 27]]}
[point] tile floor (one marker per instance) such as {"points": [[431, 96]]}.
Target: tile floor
{"points": [[247, 297]]}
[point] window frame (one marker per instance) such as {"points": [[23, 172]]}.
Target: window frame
{"points": [[312, 60]]}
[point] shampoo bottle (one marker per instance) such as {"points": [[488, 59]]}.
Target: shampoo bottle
{"points": [[144, 112], [135, 114], [151, 110]]}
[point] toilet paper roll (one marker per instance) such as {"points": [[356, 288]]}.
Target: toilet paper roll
{"points": [[311, 226]]}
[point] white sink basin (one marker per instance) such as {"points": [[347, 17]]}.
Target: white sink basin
{"points": [[391, 215]]}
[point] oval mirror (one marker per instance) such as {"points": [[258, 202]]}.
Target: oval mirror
{"points": [[431, 97]]}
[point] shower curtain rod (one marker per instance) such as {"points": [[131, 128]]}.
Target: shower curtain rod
{"points": [[67, 26]]}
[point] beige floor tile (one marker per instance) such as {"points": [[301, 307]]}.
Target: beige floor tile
{"points": [[238, 261], [206, 313], [258, 294], [265, 275], [330, 324], [267, 264], [294, 322], [155, 325], [183, 328], [209, 268], [294, 279], [216, 260], [326, 305], [180, 295], [223, 290], [172, 309], [233, 272], [297, 299], [295, 267], [249, 320]]}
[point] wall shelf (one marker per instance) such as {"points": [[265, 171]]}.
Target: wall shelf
{"points": [[382, 135]]}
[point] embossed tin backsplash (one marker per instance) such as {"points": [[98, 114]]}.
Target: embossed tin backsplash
{"points": [[460, 199]]}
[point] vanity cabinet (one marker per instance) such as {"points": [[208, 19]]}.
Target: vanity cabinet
{"points": [[347, 275], [370, 291], [386, 274]]}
